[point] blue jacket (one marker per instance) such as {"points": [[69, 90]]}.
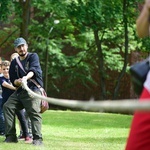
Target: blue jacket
{"points": [[30, 63]]}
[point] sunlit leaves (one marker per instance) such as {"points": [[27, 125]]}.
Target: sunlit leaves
{"points": [[6, 8]]}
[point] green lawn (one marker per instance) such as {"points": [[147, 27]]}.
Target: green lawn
{"points": [[71, 130]]}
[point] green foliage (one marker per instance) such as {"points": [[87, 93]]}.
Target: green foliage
{"points": [[7, 38], [96, 15], [74, 66], [6, 8], [102, 16], [143, 45], [72, 48]]}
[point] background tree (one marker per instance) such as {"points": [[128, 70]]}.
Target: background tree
{"points": [[109, 23], [91, 36]]}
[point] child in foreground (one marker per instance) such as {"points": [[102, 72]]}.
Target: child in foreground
{"points": [[7, 90]]}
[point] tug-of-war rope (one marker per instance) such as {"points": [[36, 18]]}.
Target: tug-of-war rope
{"points": [[95, 106]]}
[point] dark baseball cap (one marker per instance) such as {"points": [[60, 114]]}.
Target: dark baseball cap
{"points": [[19, 41]]}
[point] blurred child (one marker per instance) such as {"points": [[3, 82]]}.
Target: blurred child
{"points": [[2, 127], [7, 90]]}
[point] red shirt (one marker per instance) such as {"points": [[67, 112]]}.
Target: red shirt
{"points": [[139, 136]]}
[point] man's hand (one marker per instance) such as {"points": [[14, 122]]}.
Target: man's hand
{"points": [[18, 82]]}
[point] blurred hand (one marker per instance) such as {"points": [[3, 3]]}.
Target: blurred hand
{"points": [[147, 82], [147, 4], [18, 82]]}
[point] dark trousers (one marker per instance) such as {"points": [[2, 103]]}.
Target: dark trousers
{"points": [[21, 116], [2, 120], [32, 106], [23, 122]]}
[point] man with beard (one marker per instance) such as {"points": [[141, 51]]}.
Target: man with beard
{"points": [[20, 98]]}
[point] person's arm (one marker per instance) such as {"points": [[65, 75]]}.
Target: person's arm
{"points": [[29, 75], [9, 86], [34, 64], [13, 70], [143, 21], [18, 82]]}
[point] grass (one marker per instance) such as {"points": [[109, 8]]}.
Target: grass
{"points": [[70, 130]]}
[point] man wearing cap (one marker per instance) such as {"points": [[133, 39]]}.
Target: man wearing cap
{"points": [[20, 98]]}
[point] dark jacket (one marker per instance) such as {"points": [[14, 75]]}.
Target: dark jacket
{"points": [[30, 63], [6, 92]]}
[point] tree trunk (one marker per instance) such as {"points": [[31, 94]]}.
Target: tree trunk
{"points": [[125, 21], [101, 66], [25, 4]]}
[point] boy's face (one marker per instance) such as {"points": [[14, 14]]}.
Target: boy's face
{"points": [[5, 71]]}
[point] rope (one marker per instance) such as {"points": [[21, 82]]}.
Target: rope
{"points": [[95, 106]]}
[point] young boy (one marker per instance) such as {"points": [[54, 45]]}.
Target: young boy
{"points": [[2, 127], [7, 90], [7, 87]]}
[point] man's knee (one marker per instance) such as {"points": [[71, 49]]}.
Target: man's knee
{"points": [[5, 106]]}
